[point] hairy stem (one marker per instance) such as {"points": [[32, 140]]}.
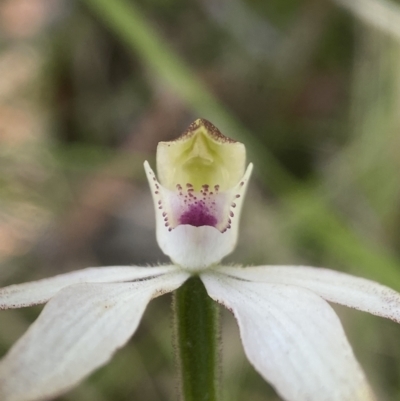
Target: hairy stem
{"points": [[197, 334]]}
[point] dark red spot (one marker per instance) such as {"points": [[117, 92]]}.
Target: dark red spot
{"points": [[198, 215]]}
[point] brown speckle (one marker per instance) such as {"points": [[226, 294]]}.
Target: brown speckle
{"points": [[213, 131]]}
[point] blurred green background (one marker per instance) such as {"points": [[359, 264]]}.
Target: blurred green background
{"points": [[312, 87]]}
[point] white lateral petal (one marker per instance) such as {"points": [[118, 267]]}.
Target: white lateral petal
{"points": [[341, 288], [293, 338], [78, 331], [39, 292]]}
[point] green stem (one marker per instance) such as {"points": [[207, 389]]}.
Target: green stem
{"points": [[196, 331]]}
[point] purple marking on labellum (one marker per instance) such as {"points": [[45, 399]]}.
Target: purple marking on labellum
{"points": [[197, 216]]}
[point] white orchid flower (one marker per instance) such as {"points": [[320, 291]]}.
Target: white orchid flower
{"points": [[290, 333]]}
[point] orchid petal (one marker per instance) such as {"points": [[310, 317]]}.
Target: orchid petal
{"points": [[293, 338], [341, 288], [197, 247], [78, 331], [39, 292]]}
